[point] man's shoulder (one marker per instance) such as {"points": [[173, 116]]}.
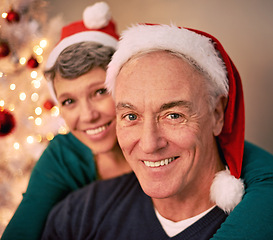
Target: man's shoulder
{"points": [[100, 188], [97, 205], [100, 193]]}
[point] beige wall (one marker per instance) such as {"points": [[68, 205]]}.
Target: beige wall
{"points": [[244, 27]]}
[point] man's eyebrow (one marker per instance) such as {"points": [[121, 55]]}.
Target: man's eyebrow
{"points": [[172, 104], [122, 105], [165, 106]]}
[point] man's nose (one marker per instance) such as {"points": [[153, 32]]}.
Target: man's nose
{"points": [[151, 139]]}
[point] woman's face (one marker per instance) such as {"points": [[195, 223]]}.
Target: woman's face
{"points": [[88, 109]]}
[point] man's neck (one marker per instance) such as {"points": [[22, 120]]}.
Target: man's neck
{"points": [[178, 209], [190, 201]]}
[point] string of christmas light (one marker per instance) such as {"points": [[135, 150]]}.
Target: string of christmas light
{"points": [[29, 118]]}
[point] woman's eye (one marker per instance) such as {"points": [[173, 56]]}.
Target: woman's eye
{"points": [[67, 102], [101, 91]]}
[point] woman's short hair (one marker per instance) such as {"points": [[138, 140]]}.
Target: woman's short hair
{"points": [[80, 58]]}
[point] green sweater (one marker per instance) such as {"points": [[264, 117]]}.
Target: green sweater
{"points": [[252, 218], [67, 165]]}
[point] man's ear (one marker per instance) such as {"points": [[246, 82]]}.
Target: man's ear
{"points": [[218, 114]]}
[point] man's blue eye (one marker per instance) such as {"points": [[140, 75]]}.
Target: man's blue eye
{"points": [[131, 117], [174, 116]]}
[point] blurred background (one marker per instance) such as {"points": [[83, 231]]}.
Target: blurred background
{"points": [[29, 29], [245, 28]]}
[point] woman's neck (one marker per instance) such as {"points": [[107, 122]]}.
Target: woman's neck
{"points": [[111, 164]]}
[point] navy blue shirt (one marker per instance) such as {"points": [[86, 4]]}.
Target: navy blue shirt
{"points": [[118, 209]]}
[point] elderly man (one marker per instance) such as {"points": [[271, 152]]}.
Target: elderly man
{"points": [[180, 124], [171, 91]]}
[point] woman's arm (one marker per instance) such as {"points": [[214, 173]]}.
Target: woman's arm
{"points": [[65, 165], [252, 217]]}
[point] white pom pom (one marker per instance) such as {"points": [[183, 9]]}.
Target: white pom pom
{"points": [[226, 190], [97, 16]]}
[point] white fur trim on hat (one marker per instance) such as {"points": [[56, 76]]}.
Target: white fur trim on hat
{"points": [[226, 190], [97, 16], [140, 38]]}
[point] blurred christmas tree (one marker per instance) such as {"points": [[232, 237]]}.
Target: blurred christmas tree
{"points": [[28, 117]]}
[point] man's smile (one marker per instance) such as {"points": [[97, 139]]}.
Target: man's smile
{"points": [[159, 163]]}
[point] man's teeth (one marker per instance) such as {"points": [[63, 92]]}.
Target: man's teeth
{"points": [[159, 163], [96, 131]]}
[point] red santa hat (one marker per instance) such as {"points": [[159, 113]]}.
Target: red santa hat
{"points": [[97, 26], [227, 189]]}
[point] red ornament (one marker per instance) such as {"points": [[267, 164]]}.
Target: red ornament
{"points": [[7, 122], [32, 63], [48, 104], [4, 49], [13, 16]]}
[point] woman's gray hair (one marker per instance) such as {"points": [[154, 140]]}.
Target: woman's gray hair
{"points": [[80, 58]]}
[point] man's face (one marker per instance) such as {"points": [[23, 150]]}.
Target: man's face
{"points": [[165, 126]]}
